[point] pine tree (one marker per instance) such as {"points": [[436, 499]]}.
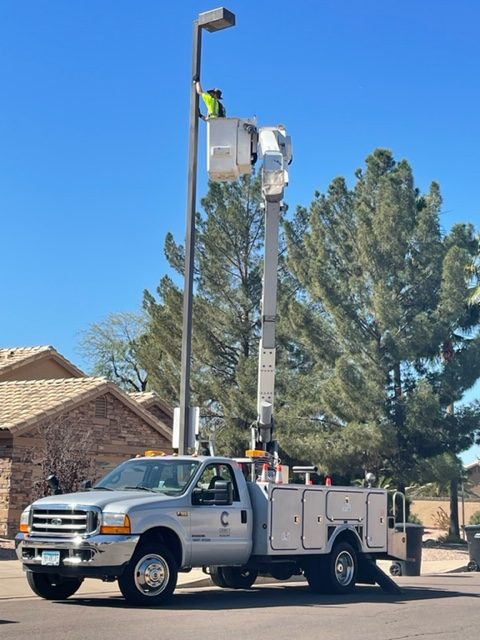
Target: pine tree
{"points": [[390, 296], [228, 281]]}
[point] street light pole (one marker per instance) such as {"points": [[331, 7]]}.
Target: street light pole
{"points": [[214, 20]]}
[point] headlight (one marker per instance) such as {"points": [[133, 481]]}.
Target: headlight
{"points": [[25, 521], [115, 523]]}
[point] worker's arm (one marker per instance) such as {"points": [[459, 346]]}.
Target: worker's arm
{"points": [[198, 87]]}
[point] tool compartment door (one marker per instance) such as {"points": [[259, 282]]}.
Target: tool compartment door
{"points": [[376, 534], [345, 505], [286, 518], [314, 526]]}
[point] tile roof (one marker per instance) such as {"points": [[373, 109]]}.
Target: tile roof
{"points": [[25, 402], [14, 357], [147, 398], [16, 354]]}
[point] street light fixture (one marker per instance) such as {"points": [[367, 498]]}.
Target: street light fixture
{"points": [[214, 20]]}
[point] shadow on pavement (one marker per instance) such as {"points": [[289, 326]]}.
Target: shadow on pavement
{"points": [[279, 596]]}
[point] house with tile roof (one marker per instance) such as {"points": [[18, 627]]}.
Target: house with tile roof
{"points": [[473, 475], [153, 403], [36, 363], [120, 426]]}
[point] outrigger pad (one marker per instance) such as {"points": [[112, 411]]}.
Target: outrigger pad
{"points": [[370, 573]]}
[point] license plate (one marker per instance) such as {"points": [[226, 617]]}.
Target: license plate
{"points": [[51, 558]]}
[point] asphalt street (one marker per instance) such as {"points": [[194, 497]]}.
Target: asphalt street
{"points": [[445, 606]]}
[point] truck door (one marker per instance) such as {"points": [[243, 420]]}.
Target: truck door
{"points": [[220, 534]]}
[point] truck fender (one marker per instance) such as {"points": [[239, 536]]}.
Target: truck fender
{"points": [[168, 528], [345, 534]]}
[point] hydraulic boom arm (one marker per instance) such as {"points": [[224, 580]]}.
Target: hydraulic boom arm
{"points": [[275, 151]]}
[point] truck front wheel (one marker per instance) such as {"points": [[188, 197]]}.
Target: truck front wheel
{"points": [[52, 586], [150, 577]]}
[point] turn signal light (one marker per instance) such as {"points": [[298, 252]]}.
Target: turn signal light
{"points": [[25, 521], [113, 524]]}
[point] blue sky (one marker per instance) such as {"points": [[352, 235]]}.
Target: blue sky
{"points": [[94, 107]]}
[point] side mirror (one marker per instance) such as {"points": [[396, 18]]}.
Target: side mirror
{"points": [[54, 484], [221, 494]]}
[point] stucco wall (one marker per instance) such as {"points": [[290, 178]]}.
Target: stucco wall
{"points": [[121, 435], [43, 369], [426, 510]]}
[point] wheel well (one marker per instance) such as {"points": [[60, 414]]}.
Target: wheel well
{"points": [[164, 536], [350, 536]]}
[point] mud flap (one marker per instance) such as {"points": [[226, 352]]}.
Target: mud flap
{"points": [[370, 573]]}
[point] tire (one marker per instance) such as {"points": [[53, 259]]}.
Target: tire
{"points": [[473, 566], [216, 576], [335, 572], [150, 577], [51, 586], [238, 577], [316, 574], [342, 568], [281, 572], [395, 569]]}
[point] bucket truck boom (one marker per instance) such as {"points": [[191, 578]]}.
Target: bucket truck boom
{"points": [[275, 150], [233, 145]]}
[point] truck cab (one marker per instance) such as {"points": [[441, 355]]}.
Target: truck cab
{"points": [[147, 519]]}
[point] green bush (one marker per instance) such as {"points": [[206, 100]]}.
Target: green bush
{"points": [[475, 518], [414, 519], [441, 519]]}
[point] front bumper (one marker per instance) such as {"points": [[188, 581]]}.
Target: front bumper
{"points": [[100, 555]]}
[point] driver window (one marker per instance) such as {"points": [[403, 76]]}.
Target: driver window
{"points": [[215, 472]]}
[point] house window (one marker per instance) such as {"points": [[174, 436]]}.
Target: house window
{"points": [[101, 407]]}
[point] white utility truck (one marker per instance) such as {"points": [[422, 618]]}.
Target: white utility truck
{"points": [[154, 516]]}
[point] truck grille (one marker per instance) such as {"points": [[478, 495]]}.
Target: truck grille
{"points": [[64, 522]]}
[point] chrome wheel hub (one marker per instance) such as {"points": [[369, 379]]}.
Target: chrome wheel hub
{"points": [[151, 575], [344, 568]]}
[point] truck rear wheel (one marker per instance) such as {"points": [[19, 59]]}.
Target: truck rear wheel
{"points": [[238, 577], [217, 578], [51, 586], [342, 567], [335, 572], [150, 577]]}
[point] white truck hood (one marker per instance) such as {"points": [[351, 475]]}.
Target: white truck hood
{"points": [[115, 501]]}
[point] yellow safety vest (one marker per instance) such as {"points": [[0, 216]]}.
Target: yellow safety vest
{"points": [[214, 106]]}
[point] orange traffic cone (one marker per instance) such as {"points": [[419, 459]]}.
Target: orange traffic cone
{"points": [[278, 475], [328, 481], [264, 476]]}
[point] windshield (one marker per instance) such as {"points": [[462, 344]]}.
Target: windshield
{"points": [[164, 476]]}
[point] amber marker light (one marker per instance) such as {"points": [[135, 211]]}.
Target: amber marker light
{"points": [[115, 524]]}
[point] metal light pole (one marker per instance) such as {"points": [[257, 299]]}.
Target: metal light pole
{"points": [[214, 20]]}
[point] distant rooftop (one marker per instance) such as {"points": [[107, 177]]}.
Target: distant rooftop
{"points": [[25, 402], [15, 357]]}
